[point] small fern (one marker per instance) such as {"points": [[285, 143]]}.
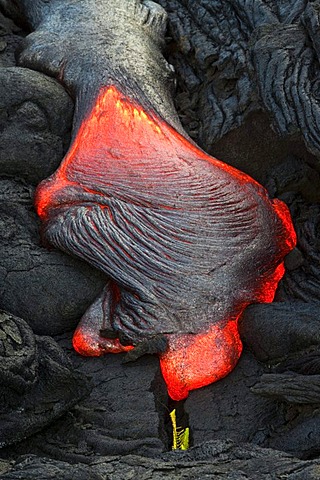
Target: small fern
{"points": [[180, 434]]}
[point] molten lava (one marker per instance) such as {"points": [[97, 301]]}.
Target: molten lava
{"points": [[189, 240]]}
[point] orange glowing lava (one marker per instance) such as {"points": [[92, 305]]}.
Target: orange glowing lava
{"points": [[94, 345], [123, 143], [194, 361], [119, 138]]}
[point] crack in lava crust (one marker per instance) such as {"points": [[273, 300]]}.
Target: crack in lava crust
{"points": [[188, 240]]}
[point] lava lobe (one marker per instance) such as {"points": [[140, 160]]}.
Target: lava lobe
{"points": [[186, 240]]}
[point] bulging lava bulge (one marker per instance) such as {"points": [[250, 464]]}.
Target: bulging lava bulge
{"points": [[187, 241]]}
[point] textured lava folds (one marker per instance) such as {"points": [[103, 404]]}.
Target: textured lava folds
{"points": [[187, 241]]}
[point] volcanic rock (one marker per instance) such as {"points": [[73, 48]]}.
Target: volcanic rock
{"points": [[122, 415], [37, 381], [48, 289], [35, 122], [297, 183], [220, 460], [11, 37], [275, 331], [242, 66]]}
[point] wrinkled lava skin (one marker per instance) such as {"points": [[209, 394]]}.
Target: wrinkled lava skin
{"points": [[187, 241]]}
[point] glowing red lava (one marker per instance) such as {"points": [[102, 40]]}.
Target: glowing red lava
{"points": [[120, 132], [84, 344], [115, 143]]}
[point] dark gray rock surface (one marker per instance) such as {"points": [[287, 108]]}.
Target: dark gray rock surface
{"points": [[298, 184], [229, 409], [11, 37], [35, 112], [49, 289], [236, 57], [38, 384], [303, 282], [220, 460], [277, 330], [123, 413], [127, 410], [35, 122], [276, 410], [286, 336]]}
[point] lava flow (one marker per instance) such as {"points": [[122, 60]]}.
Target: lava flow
{"points": [[188, 241]]}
